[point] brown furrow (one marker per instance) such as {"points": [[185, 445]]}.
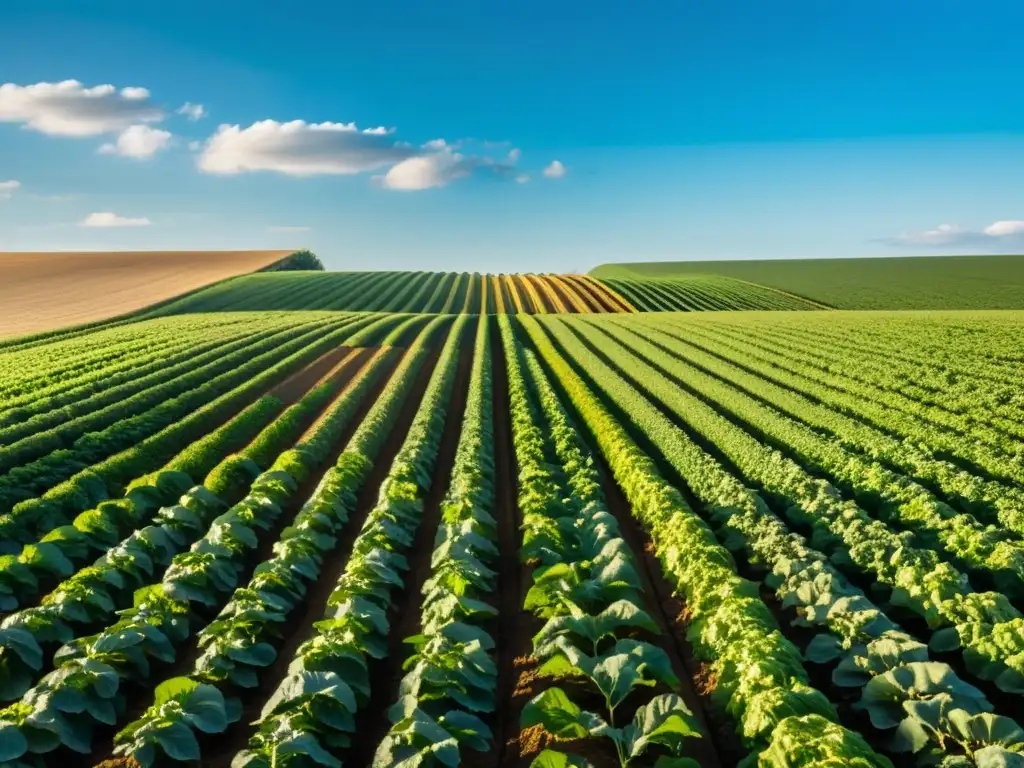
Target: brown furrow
{"points": [[372, 723]]}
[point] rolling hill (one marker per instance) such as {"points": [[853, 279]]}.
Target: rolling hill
{"points": [[45, 291], [917, 282]]}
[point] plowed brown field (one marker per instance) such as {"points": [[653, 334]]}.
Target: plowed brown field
{"points": [[43, 291]]}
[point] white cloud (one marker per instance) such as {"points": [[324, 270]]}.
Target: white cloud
{"points": [[70, 109], [1005, 228], [287, 229], [300, 149], [106, 219], [192, 111], [523, 178], [998, 236], [138, 141], [944, 234], [7, 188], [425, 171], [555, 170]]}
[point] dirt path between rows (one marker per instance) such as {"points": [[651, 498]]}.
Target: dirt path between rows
{"points": [[720, 747], [560, 290], [514, 624], [221, 749], [372, 723], [139, 696], [326, 367]]}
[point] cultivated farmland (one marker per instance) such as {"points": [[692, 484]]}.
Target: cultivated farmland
{"points": [[43, 291], [441, 292], [705, 293], [914, 282], [256, 527]]}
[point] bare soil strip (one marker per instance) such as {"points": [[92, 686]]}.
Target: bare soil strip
{"points": [[223, 747], [669, 612], [372, 723], [329, 365], [514, 628], [720, 747], [139, 696]]}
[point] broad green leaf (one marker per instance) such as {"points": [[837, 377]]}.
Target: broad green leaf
{"points": [[23, 643], [177, 688], [615, 676], [178, 741], [468, 729], [549, 758], [997, 757], [620, 615], [560, 716], [884, 695], [257, 655], [665, 720], [206, 708], [823, 649], [985, 728], [12, 743], [306, 684]]}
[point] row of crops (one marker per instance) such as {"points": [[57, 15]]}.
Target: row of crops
{"points": [[671, 540], [704, 293], [465, 293], [434, 292]]}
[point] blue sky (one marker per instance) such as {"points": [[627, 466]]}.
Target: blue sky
{"points": [[727, 129]]}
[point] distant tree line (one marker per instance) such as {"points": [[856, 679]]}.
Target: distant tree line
{"points": [[300, 260]]}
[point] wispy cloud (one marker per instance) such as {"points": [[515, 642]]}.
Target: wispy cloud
{"points": [[425, 171], [999, 236], [108, 220], [287, 229], [440, 168], [193, 112], [7, 188], [54, 198]]}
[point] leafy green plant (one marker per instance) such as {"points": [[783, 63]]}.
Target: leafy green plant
{"points": [[417, 738], [355, 625], [180, 705], [663, 721]]}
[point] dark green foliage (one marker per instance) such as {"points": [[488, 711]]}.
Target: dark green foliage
{"points": [[301, 260]]}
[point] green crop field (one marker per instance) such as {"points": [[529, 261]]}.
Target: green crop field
{"points": [[704, 293], [441, 519], [925, 282], [440, 292], [453, 292]]}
